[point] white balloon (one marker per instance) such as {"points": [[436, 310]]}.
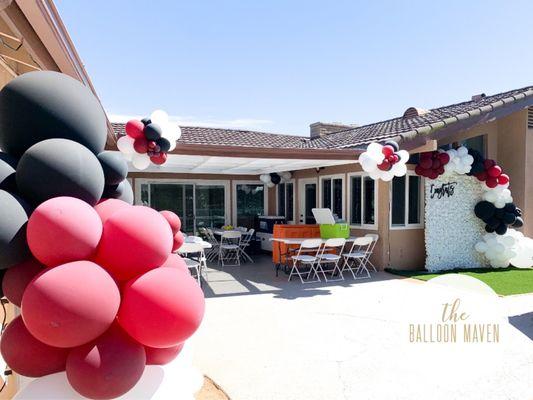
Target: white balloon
{"points": [[265, 178], [377, 157], [375, 174], [125, 144], [387, 176], [481, 247], [369, 165], [404, 155], [468, 159], [159, 117], [462, 151], [172, 146], [399, 169], [140, 161], [374, 148], [270, 185]]}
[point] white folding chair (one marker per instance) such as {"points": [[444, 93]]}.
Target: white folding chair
{"points": [[195, 259], [245, 242], [212, 253], [375, 237], [242, 229], [331, 254], [229, 249], [311, 248], [356, 259]]}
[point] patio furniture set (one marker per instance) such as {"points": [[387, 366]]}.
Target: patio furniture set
{"points": [[230, 250]]}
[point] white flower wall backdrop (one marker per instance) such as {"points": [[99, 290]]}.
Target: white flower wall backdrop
{"points": [[451, 228]]}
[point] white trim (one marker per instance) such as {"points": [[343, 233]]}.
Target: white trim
{"points": [[373, 226], [332, 177], [234, 197], [421, 206], [293, 181], [301, 197]]}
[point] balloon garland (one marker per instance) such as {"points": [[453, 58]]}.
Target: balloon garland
{"points": [[274, 178], [75, 255], [149, 140], [384, 161]]}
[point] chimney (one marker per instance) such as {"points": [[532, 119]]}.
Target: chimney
{"points": [[478, 97], [319, 129]]}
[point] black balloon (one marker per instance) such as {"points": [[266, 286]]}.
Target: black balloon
{"points": [[518, 212], [275, 178], [2, 273], [478, 164], [114, 166], [153, 132], [518, 223], [489, 229], [509, 218], [484, 210], [501, 229], [493, 222], [8, 166], [164, 144], [60, 167], [393, 144], [122, 191], [146, 121], [14, 213], [42, 105]]}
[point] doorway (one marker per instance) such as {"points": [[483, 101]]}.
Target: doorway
{"points": [[307, 199]]}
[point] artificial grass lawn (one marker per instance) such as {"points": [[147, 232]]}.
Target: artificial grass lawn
{"points": [[504, 281]]}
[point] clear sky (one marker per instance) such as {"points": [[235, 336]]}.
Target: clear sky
{"points": [[279, 65]]}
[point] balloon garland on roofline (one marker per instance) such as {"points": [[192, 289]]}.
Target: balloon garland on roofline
{"points": [[274, 178], [384, 161], [149, 140]]}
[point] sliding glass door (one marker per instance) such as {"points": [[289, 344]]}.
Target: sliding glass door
{"points": [[250, 199]]}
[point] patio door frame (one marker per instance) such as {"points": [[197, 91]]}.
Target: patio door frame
{"points": [[193, 182], [301, 197]]}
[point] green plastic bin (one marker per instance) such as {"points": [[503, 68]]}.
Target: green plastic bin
{"points": [[330, 231]]}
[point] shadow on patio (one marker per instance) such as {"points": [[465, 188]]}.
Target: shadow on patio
{"points": [[260, 278]]}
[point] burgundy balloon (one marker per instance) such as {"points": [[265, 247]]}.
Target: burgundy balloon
{"points": [[161, 308], [26, 355], [107, 207], [71, 304], [17, 278], [134, 129], [108, 367], [140, 145], [173, 220], [162, 356], [63, 229], [135, 240]]}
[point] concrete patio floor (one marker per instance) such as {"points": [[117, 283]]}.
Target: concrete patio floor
{"points": [[266, 338]]}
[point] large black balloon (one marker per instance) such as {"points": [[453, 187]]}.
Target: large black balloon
{"points": [[14, 213], [153, 132], [114, 166], [8, 166], [59, 167], [122, 191], [42, 105], [489, 229], [484, 210], [509, 218], [164, 144], [501, 229], [478, 164], [518, 223], [275, 178]]}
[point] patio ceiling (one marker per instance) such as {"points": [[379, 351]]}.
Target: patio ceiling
{"points": [[201, 164]]}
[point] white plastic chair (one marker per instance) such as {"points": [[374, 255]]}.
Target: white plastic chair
{"points": [[229, 249], [375, 237], [308, 246], [198, 263], [245, 242], [331, 254], [212, 253], [356, 259]]}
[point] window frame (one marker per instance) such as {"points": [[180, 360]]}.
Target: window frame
{"points": [[362, 225], [234, 197], [320, 197], [293, 181], [421, 199]]}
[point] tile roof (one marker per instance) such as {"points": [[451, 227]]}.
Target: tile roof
{"points": [[406, 128]]}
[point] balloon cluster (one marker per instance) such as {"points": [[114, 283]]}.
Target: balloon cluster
{"points": [[149, 140], [498, 219], [432, 164], [493, 176], [512, 248], [100, 293], [274, 178], [384, 161], [460, 161]]}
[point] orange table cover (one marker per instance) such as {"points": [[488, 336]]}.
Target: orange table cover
{"points": [[290, 231]]}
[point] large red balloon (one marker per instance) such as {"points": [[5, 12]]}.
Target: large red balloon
{"points": [[503, 179], [107, 207], [173, 220], [494, 171], [141, 145], [175, 261], [135, 129], [71, 304], [108, 367], [155, 356], [17, 278], [134, 241], [26, 355], [161, 308], [179, 239], [63, 229]]}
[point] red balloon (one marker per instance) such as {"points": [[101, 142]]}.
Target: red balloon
{"points": [[134, 129], [435, 164], [419, 170], [141, 145], [440, 170], [173, 220], [26, 355], [17, 278], [427, 155], [385, 165], [63, 229], [175, 261], [107, 207], [155, 356], [387, 151], [179, 239], [395, 158], [489, 163], [482, 176], [159, 159], [444, 158], [152, 144], [433, 174], [491, 182], [135, 240], [502, 180], [108, 367], [426, 163], [494, 171], [161, 308], [71, 304]]}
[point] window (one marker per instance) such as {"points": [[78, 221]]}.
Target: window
{"points": [[286, 200], [363, 200], [475, 143], [250, 202], [406, 201], [332, 194]]}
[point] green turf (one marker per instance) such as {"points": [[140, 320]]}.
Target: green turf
{"points": [[504, 281]]}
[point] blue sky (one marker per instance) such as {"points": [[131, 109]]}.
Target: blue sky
{"points": [[279, 65]]}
